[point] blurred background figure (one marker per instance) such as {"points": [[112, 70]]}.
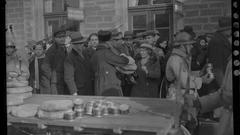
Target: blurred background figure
{"points": [[92, 43], [148, 72], [199, 53], [15, 64]]}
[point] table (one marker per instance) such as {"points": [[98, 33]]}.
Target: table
{"points": [[147, 115]]}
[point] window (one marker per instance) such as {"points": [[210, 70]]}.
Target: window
{"points": [[151, 14], [55, 15]]}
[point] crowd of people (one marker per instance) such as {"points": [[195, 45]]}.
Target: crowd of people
{"points": [[112, 63]]}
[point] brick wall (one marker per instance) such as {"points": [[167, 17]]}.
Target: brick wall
{"points": [[203, 15], [19, 13], [99, 14]]}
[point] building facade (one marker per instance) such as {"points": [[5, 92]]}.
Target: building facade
{"points": [[37, 19]]}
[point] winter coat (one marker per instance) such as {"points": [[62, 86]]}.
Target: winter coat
{"points": [[219, 49], [78, 74], [179, 74], [44, 85], [223, 97], [54, 68], [103, 63], [147, 85]]}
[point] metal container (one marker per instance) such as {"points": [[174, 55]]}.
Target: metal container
{"points": [[69, 115], [89, 108], [98, 112], [78, 104], [79, 113]]}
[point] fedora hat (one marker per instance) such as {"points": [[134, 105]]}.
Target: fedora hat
{"points": [[224, 23]]}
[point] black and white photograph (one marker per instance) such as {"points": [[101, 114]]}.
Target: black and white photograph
{"points": [[121, 67]]}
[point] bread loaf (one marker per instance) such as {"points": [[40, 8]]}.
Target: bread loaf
{"points": [[14, 100], [13, 84], [52, 115], [23, 95], [19, 90], [56, 105], [26, 110]]}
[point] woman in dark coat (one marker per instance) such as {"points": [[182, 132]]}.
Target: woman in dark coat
{"points": [[148, 72], [77, 72]]}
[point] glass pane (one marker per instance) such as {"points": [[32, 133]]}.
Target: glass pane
{"points": [[161, 1], [71, 3], [48, 6], [161, 20], [139, 21], [57, 5], [52, 25], [134, 3], [143, 2], [138, 31], [164, 34]]}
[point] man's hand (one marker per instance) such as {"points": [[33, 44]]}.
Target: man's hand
{"points": [[206, 79]]}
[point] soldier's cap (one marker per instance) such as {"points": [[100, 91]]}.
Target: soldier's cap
{"points": [[224, 23], [145, 45], [128, 34], [149, 33], [182, 39]]}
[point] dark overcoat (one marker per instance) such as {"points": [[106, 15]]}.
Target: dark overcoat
{"points": [[219, 50], [147, 84], [78, 74], [104, 63], [44, 84]]}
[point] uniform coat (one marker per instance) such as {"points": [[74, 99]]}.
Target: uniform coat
{"points": [[104, 62], [223, 97], [78, 74], [147, 84], [179, 74]]}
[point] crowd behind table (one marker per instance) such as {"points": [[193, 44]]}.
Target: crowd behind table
{"points": [[112, 63]]}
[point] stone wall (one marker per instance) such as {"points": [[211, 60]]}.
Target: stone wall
{"points": [[203, 15]]}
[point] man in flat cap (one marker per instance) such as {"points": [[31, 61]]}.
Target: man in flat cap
{"points": [[54, 64]]}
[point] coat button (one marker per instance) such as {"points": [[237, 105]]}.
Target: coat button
{"points": [[107, 72]]}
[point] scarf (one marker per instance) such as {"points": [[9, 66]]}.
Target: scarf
{"points": [[36, 69]]}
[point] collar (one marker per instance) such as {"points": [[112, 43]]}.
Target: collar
{"points": [[43, 56]]}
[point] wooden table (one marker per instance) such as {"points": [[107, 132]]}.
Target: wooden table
{"points": [[150, 115]]}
